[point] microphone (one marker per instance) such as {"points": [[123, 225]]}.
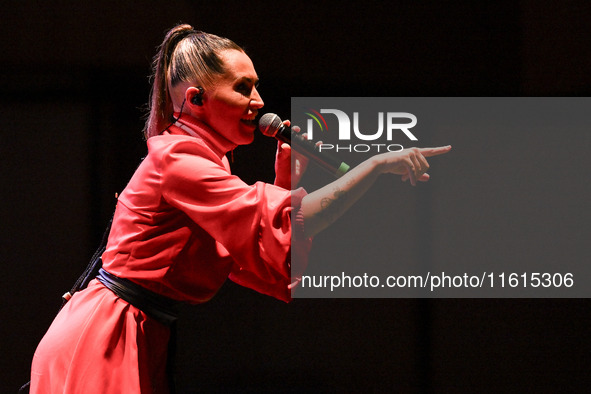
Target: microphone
{"points": [[272, 126]]}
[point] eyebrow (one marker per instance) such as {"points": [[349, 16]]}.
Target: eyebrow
{"points": [[250, 80]]}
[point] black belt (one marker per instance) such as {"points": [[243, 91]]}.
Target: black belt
{"points": [[159, 307]]}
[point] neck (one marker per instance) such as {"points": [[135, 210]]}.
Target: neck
{"points": [[198, 129]]}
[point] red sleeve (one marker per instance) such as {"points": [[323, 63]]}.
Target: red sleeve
{"points": [[252, 222]]}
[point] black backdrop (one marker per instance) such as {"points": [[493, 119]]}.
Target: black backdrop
{"points": [[73, 83]]}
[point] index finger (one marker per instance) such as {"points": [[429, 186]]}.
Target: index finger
{"points": [[429, 152]]}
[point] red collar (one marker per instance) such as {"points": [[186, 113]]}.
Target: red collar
{"points": [[188, 125]]}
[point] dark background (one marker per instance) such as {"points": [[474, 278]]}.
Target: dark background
{"points": [[73, 83]]}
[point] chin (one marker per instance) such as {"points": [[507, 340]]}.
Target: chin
{"points": [[246, 136]]}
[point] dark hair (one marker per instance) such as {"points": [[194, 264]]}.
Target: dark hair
{"points": [[185, 55]]}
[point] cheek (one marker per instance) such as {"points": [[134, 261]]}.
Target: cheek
{"points": [[229, 108]]}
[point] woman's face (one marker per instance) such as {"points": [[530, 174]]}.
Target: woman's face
{"points": [[231, 105]]}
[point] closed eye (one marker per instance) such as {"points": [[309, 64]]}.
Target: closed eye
{"points": [[244, 89], [245, 86]]}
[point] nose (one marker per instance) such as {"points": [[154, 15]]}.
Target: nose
{"points": [[256, 102]]}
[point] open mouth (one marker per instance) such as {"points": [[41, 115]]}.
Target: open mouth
{"points": [[249, 122]]}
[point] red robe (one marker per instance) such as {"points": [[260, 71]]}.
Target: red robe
{"points": [[182, 226]]}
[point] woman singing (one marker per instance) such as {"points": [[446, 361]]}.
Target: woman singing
{"points": [[184, 223]]}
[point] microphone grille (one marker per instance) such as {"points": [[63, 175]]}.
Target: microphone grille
{"points": [[269, 124]]}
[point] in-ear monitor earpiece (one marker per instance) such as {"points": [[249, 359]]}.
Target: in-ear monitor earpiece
{"points": [[197, 99]]}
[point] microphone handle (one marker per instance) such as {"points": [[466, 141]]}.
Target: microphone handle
{"points": [[327, 161]]}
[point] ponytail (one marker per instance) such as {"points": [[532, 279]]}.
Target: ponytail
{"points": [[185, 55]]}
